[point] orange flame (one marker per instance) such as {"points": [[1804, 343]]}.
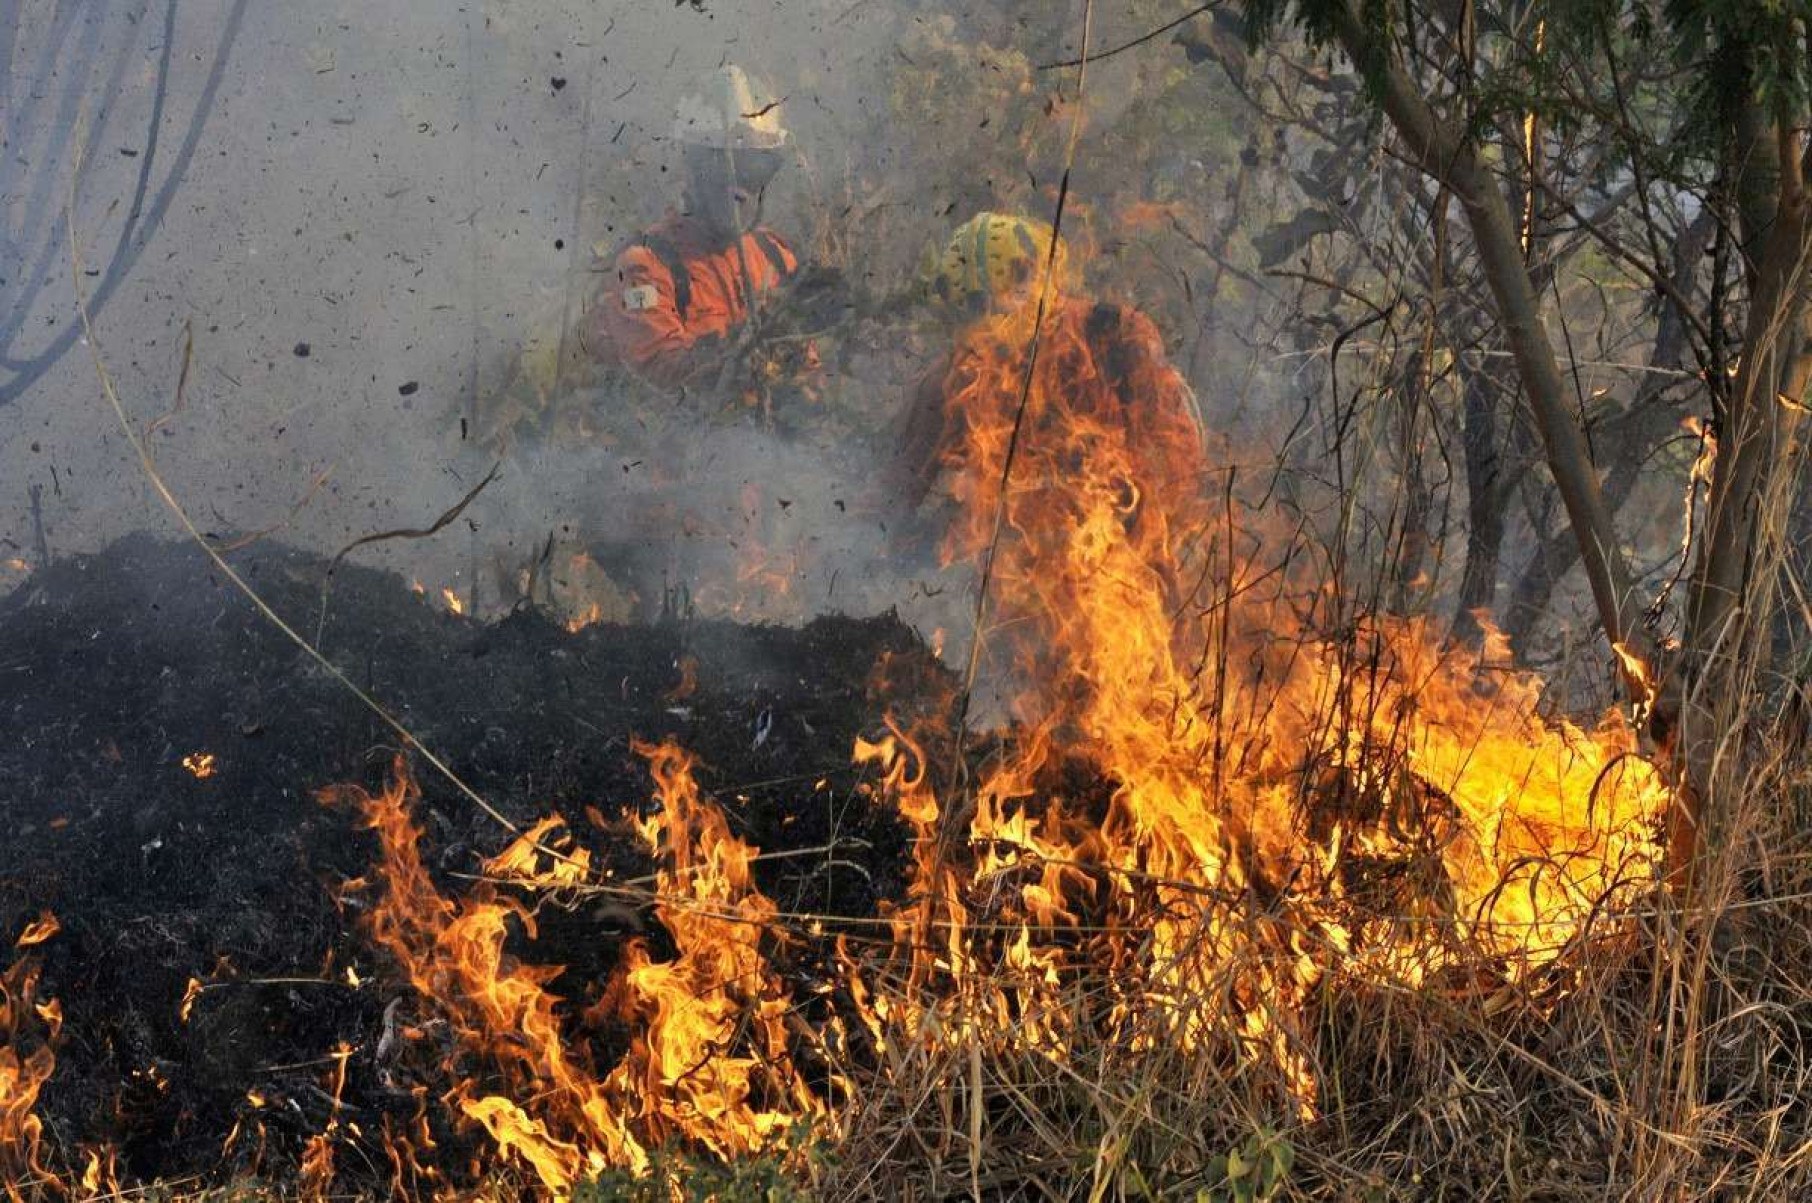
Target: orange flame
{"points": [[707, 1060], [592, 615], [28, 1029], [1246, 755], [1209, 807], [688, 682], [201, 764], [39, 930]]}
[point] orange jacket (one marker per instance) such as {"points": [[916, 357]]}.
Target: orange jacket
{"points": [[679, 290]]}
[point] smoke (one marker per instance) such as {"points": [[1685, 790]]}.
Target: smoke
{"points": [[724, 518], [361, 217]]}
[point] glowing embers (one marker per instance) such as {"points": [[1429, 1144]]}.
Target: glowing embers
{"points": [[201, 765], [581, 593], [447, 597], [707, 1060]]}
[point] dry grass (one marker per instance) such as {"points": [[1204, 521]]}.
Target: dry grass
{"points": [[1666, 1056]]}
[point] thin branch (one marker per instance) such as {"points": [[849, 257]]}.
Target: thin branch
{"points": [[438, 525], [1086, 58]]}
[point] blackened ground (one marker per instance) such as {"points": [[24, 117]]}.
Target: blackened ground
{"points": [[115, 667]]}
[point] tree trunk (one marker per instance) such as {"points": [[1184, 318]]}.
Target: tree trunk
{"points": [[1442, 150], [1758, 451], [1484, 506], [1646, 422]]}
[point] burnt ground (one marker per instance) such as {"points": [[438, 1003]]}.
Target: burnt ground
{"points": [[116, 666]]}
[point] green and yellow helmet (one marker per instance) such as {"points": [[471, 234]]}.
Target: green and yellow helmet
{"points": [[992, 256]]}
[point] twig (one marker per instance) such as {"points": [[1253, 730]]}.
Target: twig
{"points": [[182, 382], [1085, 58], [438, 525], [39, 543], [244, 541], [435, 528]]}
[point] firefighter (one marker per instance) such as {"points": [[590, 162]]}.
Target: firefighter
{"points": [[662, 346], [679, 295], [671, 303], [995, 267]]}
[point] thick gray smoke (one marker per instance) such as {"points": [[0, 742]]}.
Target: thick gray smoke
{"points": [[731, 520], [360, 214]]}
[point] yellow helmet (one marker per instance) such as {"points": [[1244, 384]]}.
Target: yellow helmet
{"points": [[992, 255]]}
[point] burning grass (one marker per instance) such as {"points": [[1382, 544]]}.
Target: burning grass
{"points": [[1214, 832], [1253, 894], [1048, 1007]]}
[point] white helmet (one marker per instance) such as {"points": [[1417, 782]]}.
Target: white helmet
{"points": [[726, 112]]}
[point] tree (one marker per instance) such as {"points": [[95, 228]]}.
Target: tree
{"points": [[1461, 83]]}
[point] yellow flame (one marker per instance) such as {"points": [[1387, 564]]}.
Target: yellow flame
{"points": [[38, 930], [1246, 755], [1214, 803], [190, 996], [26, 1063]]}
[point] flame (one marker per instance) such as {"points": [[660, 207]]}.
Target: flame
{"points": [[532, 857], [28, 1030], [585, 594], [39, 930], [100, 1174], [688, 682], [707, 1060], [765, 576], [316, 1171], [201, 764], [1698, 480], [1637, 671], [452, 601], [190, 996], [317, 1168], [15, 564], [1247, 756], [1705, 459], [710, 1021], [1221, 793], [765, 568]]}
